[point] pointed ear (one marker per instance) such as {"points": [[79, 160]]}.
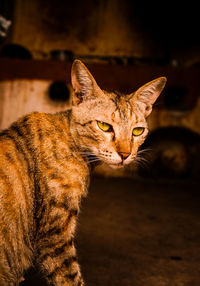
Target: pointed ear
{"points": [[83, 82], [148, 93]]}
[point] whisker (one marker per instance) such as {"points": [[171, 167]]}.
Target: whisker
{"points": [[141, 161], [92, 161], [87, 154], [144, 151]]}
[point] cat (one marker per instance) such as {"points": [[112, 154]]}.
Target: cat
{"points": [[45, 162]]}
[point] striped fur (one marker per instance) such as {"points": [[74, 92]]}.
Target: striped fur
{"points": [[44, 172]]}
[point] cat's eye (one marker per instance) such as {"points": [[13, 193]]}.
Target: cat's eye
{"points": [[104, 126], [138, 131]]}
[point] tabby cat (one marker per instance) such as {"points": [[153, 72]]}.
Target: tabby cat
{"points": [[45, 164]]}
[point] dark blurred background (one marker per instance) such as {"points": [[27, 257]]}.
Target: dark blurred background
{"points": [[140, 226]]}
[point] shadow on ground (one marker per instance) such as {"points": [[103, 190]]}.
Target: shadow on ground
{"points": [[138, 233]]}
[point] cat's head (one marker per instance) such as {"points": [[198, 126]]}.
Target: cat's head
{"points": [[109, 125]]}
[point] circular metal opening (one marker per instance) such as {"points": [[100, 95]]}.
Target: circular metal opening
{"points": [[59, 92]]}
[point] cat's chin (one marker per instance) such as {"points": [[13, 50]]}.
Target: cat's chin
{"points": [[116, 166]]}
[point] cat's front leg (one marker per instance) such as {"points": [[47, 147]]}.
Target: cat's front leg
{"points": [[56, 253]]}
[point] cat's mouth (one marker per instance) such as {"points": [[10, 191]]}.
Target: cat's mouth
{"points": [[121, 164]]}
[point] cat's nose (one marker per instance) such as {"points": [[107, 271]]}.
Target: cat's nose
{"points": [[124, 155]]}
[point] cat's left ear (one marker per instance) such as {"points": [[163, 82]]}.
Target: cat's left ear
{"points": [[148, 93], [83, 83]]}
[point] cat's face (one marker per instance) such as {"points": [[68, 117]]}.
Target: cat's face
{"points": [[109, 125]]}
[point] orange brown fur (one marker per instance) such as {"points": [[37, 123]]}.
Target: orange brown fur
{"points": [[44, 173]]}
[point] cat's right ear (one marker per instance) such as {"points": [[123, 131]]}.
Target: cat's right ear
{"points": [[83, 82]]}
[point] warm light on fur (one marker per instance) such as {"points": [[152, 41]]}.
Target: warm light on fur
{"points": [[44, 172]]}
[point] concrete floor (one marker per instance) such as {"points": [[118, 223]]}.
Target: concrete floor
{"points": [[139, 233]]}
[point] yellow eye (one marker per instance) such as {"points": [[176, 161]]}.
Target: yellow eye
{"points": [[138, 131], [104, 126]]}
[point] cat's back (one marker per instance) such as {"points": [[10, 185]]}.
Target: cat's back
{"points": [[25, 135], [18, 146], [16, 198], [36, 154], [22, 146], [36, 146]]}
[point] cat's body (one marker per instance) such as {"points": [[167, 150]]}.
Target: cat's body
{"points": [[44, 173], [42, 181]]}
